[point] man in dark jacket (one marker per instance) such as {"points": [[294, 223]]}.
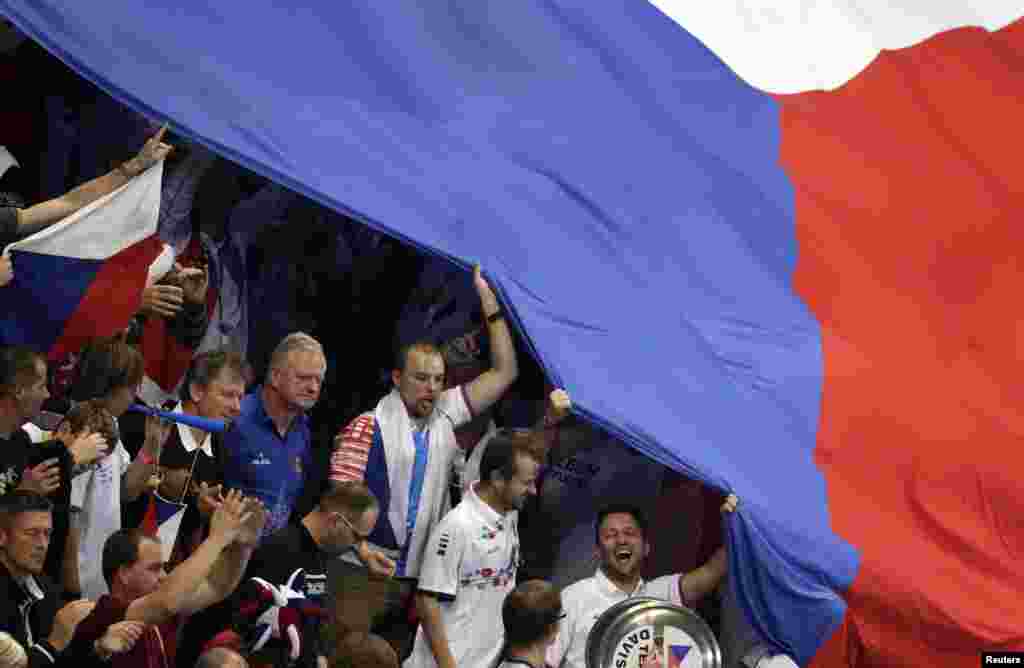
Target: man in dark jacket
{"points": [[28, 600]]}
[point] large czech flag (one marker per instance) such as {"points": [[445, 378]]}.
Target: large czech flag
{"points": [[83, 277], [775, 246]]}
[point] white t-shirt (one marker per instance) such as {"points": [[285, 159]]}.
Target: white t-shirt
{"points": [[585, 601], [97, 492], [470, 563]]}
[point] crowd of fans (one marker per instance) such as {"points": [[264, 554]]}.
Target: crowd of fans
{"points": [[440, 515]]}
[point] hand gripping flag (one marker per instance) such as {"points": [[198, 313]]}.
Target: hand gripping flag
{"points": [[83, 277]]}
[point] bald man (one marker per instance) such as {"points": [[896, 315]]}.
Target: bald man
{"points": [[221, 657]]}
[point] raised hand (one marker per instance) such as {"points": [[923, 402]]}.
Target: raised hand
{"points": [[252, 528], [42, 479], [488, 300], [228, 520], [730, 503], [558, 408], [152, 152]]}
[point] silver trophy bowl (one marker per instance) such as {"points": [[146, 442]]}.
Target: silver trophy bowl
{"points": [[630, 632]]}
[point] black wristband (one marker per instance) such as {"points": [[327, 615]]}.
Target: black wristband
{"points": [[496, 316]]}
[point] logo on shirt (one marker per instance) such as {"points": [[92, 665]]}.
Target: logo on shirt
{"points": [[260, 460], [316, 586], [442, 544]]}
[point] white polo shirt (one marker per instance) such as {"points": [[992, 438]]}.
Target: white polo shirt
{"points": [[586, 600], [470, 562]]}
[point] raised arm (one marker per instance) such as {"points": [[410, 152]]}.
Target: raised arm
{"points": [[227, 572], [490, 385], [698, 583], [557, 409], [177, 592], [44, 214]]}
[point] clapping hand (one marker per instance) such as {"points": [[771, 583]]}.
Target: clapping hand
{"points": [[252, 527], [230, 517], [208, 497]]}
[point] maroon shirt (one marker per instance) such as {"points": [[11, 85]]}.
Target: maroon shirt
{"points": [[155, 649]]}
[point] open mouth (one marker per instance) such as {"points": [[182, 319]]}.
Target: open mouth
{"points": [[623, 555]]}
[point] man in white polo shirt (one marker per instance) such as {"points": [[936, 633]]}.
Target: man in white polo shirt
{"points": [[621, 548], [470, 563]]}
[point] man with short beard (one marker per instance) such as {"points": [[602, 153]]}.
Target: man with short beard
{"points": [[268, 450], [471, 562], [621, 549], [405, 450]]}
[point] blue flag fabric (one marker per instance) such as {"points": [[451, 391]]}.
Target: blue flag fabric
{"points": [[618, 183]]}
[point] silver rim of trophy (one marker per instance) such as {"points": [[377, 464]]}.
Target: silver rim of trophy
{"points": [[650, 633]]}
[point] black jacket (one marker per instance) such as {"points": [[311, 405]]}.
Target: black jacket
{"points": [[27, 612]]}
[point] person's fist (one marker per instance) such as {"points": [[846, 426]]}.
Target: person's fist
{"points": [[730, 503], [488, 301], [559, 406], [152, 152]]}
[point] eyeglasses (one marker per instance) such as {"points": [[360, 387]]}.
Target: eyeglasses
{"points": [[360, 537]]}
